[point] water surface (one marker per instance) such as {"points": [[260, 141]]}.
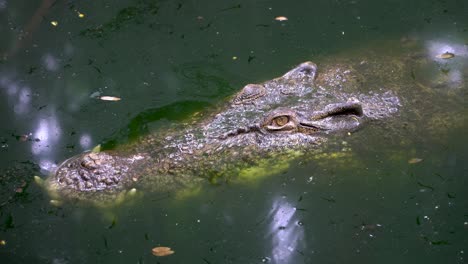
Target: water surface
{"points": [[168, 60]]}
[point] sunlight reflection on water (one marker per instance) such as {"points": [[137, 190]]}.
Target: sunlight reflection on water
{"points": [[50, 62], [284, 234], [453, 67]]}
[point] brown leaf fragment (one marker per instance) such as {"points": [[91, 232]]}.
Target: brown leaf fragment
{"points": [[162, 251], [414, 160], [446, 55]]}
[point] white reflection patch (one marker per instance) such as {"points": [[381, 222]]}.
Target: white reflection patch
{"points": [[455, 66], [436, 48], [47, 165], [48, 132], [22, 104], [25, 95], [284, 233], [85, 141], [50, 62], [12, 88]]}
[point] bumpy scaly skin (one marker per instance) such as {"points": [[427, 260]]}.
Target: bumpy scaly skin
{"points": [[95, 171], [295, 111]]}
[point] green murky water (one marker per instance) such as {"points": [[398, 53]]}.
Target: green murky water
{"points": [[169, 59]]}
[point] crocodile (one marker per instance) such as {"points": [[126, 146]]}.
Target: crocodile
{"points": [[295, 112]]}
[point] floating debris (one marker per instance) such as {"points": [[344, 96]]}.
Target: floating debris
{"points": [[162, 251], [54, 23], [425, 186], [80, 15], [281, 18], [414, 160], [109, 98], [446, 55], [2, 243]]}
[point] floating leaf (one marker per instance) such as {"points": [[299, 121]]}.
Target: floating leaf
{"points": [[2, 242], [414, 160], [54, 23], [281, 18], [446, 55], [110, 98], [162, 251]]}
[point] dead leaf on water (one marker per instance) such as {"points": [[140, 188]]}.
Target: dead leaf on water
{"points": [[162, 251], [110, 98], [414, 160], [281, 18], [446, 55]]}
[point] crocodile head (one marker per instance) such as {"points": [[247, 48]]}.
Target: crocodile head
{"points": [[297, 110], [301, 107]]}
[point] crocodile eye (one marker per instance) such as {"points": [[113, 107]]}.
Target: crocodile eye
{"points": [[280, 121], [283, 119]]}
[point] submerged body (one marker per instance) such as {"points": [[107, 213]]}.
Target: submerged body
{"points": [[294, 112]]}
